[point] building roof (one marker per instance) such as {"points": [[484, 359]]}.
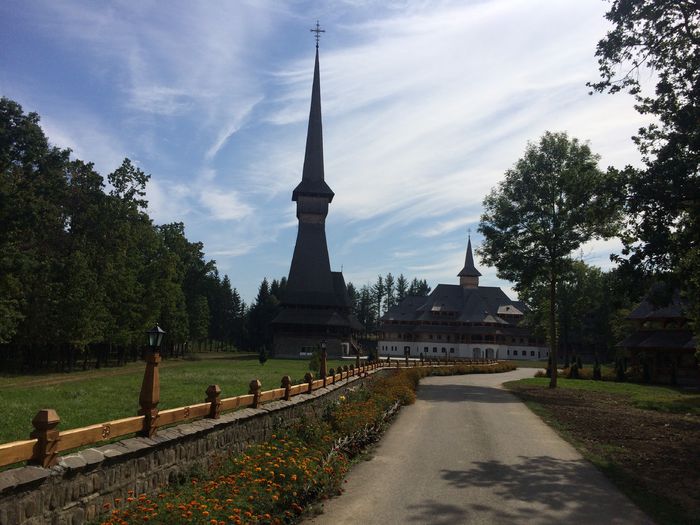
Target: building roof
{"points": [[452, 302], [649, 309], [660, 339], [312, 179], [469, 269]]}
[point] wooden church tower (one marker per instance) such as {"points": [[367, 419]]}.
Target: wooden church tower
{"points": [[315, 306]]}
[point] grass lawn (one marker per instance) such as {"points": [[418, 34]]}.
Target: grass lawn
{"points": [[95, 396], [650, 397], [645, 438]]}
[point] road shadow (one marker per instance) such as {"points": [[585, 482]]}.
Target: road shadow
{"points": [[544, 489], [461, 393], [436, 513]]}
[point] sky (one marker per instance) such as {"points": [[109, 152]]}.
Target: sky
{"points": [[425, 105]]}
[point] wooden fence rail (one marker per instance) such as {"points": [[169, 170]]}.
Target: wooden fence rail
{"points": [[47, 442]]}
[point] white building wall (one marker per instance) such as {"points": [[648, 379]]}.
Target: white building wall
{"points": [[471, 351]]}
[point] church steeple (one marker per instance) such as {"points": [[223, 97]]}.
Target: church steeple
{"points": [[312, 179], [310, 280], [469, 276]]}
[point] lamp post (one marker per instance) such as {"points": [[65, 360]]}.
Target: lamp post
{"points": [[323, 361], [150, 387]]}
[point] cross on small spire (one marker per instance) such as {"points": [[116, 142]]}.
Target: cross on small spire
{"points": [[318, 32]]}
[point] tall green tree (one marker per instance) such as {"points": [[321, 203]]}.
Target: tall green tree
{"points": [[379, 291], [401, 288], [663, 205], [551, 202]]}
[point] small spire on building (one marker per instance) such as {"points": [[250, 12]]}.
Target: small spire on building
{"points": [[469, 276]]}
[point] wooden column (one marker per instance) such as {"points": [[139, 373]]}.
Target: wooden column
{"points": [[357, 358], [287, 385], [214, 397], [324, 359], [46, 449], [309, 378], [150, 395], [255, 386]]}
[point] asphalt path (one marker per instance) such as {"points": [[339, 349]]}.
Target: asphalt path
{"points": [[470, 452]]}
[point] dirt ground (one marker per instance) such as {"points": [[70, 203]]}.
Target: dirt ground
{"points": [[653, 456]]}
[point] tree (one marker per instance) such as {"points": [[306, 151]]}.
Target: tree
{"points": [[419, 288], [663, 204], [389, 287], [401, 288], [379, 290], [553, 200]]}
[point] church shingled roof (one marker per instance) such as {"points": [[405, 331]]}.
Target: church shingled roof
{"points": [[470, 305], [312, 179]]}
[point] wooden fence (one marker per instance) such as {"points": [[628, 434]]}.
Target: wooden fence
{"points": [[46, 442]]}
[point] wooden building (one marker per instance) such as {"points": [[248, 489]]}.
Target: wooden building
{"points": [[662, 340], [315, 306], [462, 320]]}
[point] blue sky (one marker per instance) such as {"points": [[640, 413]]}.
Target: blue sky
{"points": [[425, 105]]}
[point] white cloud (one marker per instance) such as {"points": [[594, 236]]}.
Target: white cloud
{"points": [[224, 206]]}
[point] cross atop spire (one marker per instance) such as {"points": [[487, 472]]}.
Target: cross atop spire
{"points": [[318, 32]]}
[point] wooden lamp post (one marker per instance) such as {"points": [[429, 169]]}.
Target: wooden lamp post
{"points": [[324, 356], [150, 388]]}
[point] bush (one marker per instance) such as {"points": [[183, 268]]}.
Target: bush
{"points": [[315, 362]]}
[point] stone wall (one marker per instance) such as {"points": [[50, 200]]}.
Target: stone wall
{"points": [[75, 490]]}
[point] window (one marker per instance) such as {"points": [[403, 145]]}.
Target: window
{"points": [[515, 352], [425, 349], [508, 352], [435, 349], [452, 350], [532, 353], [444, 350]]}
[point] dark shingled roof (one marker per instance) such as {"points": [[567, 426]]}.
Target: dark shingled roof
{"points": [[312, 179], [648, 310], [470, 305], [664, 339], [469, 269]]}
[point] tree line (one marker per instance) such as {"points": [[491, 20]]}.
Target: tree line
{"points": [[85, 271]]}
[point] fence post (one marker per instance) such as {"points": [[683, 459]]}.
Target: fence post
{"points": [[46, 451], [406, 357], [287, 385], [331, 373], [255, 386], [214, 397], [324, 357], [352, 370], [357, 359], [347, 372], [150, 395], [309, 378]]}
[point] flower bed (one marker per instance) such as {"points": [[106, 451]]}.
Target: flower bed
{"points": [[276, 481]]}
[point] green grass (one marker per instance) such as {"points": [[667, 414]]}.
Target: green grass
{"points": [[649, 397], [96, 396]]}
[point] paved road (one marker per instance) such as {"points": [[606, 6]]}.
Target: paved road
{"points": [[469, 452]]}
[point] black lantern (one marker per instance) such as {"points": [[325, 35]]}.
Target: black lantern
{"points": [[155, 337], [323, 345]]}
